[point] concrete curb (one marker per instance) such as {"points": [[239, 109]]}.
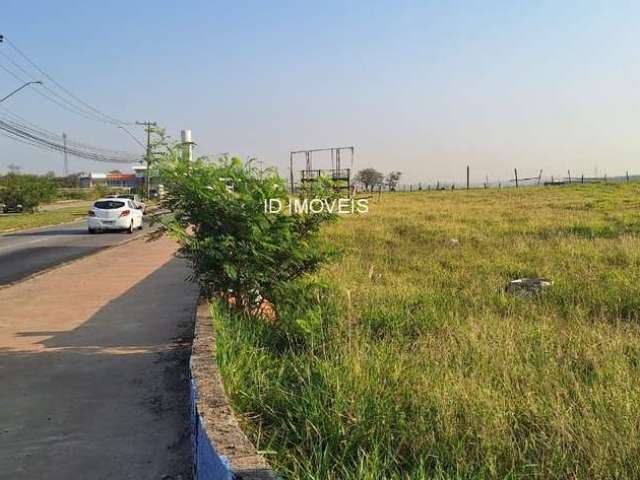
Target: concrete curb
{"points": [[221, 449]]}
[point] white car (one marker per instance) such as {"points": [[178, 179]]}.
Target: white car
{"points": [[114, 214], [135, 198]]}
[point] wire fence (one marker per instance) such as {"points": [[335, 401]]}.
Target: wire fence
{"points": [[516, 182]]}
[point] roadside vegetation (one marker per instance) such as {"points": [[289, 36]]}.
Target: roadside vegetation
{"points": [[26, 192], [18, 221], [406, 358], [238, 252], [40, 200]]}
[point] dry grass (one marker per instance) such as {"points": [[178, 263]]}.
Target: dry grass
{"points": [[419, 365]]}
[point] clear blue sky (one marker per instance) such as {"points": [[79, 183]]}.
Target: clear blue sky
{"points": [[421, 87]]}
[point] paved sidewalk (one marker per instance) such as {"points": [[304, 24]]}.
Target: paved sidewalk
{"points": [[94, 368]]}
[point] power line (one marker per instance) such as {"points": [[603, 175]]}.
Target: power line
{"points": [[27, 135], [24, 124], [132, 136], [50, 98], [20, 129], [77, 104], [51, 93]]}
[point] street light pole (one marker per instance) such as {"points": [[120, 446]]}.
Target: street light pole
{"points": [[18, 89]]}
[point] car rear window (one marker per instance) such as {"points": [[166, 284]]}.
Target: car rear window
{"points": [[108, 205]]}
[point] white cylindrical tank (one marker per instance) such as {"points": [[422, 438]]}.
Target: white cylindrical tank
{"points": [[186, 136]]}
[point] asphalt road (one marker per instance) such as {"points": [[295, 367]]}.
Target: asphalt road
{"points": [[26, 252]]}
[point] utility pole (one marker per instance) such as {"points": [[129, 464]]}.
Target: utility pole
{"points": [[291, 171], [148, 155], [66, 160]]}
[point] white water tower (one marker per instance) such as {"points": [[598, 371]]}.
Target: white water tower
{"points": [[187, 142]]}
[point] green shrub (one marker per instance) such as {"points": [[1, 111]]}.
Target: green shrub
{"points": [[237, 250], [26, 190]]}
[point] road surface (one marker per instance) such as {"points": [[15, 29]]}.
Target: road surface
{"points": [[26, 252], [94, 380]]}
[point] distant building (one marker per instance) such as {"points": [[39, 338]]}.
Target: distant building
{"points": [[89, 180], [140, 172], [121, 180], [137, 179]]}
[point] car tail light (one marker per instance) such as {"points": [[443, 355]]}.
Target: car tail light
{"points": [[91, 213], [125, 213]]}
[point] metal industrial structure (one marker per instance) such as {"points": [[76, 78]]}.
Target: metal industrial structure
{"points": [[342, 176]]}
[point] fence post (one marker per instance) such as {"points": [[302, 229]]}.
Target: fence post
{"points": [[467, 177], [515, 170]]}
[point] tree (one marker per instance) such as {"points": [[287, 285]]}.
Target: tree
{"points": [[70, 181], [237, 249], [370, 178], [392, 180], [26, 190]]}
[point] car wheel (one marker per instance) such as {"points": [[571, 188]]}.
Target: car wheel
{"points": [[130, 229], [92, 230]]}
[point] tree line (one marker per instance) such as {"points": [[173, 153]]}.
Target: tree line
{"points": [[371, 179], [25, 192]]}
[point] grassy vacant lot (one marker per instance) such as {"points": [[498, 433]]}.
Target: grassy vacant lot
{"points": [[21, 221], [419, 365]]}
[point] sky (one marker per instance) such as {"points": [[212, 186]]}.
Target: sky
{"points": [[422, 87]]}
